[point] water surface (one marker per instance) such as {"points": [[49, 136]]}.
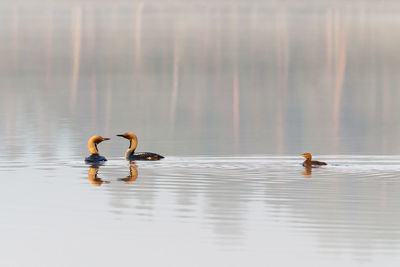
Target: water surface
{"points": [[235, 210]]}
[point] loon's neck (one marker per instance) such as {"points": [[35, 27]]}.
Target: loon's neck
{"points": [[93, 148], [129, 152], [132, 147]]}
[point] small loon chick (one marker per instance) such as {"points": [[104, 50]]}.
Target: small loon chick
{"points": [[94, 152], [130, 153], [308, 163]]}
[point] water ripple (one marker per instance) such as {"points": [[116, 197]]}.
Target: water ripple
{"points": [[231, 200]]}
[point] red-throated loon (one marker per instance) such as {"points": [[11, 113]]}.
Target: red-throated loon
{"points": [[130, 153], [94, 152], [308, 163]]}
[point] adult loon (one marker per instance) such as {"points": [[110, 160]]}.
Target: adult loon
{"points": [[130, 153], [308, 163], [94, 152]]}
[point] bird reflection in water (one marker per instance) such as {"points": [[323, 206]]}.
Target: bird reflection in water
{"points": [[93, 178], [307, 171], [133, 174]]}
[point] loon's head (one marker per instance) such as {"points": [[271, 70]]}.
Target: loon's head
{"points": [[131, 137], [306, 155], [92, 144], [133, 141], [128, 135]]}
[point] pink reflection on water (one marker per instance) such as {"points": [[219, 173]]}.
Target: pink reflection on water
{"points": [[49, 61], [108, 107], [15, 37], [76, 53], [93, 104], [235, 89], [138, 42], [175, 82], [236, 115], [339, 61], [282, 64]]}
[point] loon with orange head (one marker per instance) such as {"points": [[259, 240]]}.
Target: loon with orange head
{"points": [[130, 153], [94, 152], [308, 163]]}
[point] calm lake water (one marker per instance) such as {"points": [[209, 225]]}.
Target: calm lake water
{"points": [[230, 92]]}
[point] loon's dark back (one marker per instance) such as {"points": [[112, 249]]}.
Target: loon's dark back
{"points": [[145, 156]]}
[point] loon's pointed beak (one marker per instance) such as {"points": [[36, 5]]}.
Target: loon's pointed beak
{"points": [[122, 135], [302, 155], [105, 139]]}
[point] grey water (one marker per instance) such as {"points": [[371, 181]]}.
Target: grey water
{"points": [[230, 92]]}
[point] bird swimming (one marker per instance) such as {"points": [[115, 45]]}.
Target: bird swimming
{"points": [[308, 163], [130, 153], [94, 152]]}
